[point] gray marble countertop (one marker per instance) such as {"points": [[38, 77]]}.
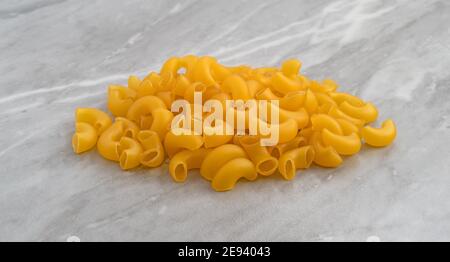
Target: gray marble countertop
{"points": [[60, 55]]}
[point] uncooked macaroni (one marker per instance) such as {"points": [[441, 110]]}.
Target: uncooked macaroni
{"points": [[230, 122]]}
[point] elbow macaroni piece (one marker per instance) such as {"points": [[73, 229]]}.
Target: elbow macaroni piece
{"points": [[293, 101], [90, 123], [265, 164], [300, 116], [367, 113], [153, 154], [311, 104], [109, 140], [227, 176], [317, 124], [283, 84], [218, 157], [238, 88], [94, 117], [120, 99], [339, 98], [161, 121], [336, 113], [347, 126], [344, 145], [279, 149], [85, 137], [213, 140], [186, 160], [175, 143], [291, 67], [294, 159], [322, 121], [325, 156], [379, 137], [144, 106], [130, 152]]}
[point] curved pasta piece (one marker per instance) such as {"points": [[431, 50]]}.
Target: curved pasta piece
{"points": [[218, 157], [186, 160], [227, 176], [347, 126], [203, 71], [120, 99], [291, 67], [379, 137], [167, 82], [220, 72], [175, 143], [284, 84], [155, 79], [321, 121], [306, 83], [330, 85], [108, 141], [368, 113], [130, 129], [130, 153], [324, 99], [311, 105], [235, 85], [133, 82], [279, 149], [189, 62], [264, 74], [344, 97], [144, 106], [212, 141], [145, 88], [254, 87], [306, 133], [210, 92], [95, 117], [149, 139], [300, 116], [171, 66], [162, 119], [85, 137], [221, 97], [153, 154], [194, 87], [294, 159], [265, 164], [167, 97], [344, 145], [325, 108], [317, 88], [325, 156], [266, 94], [336, 113], [243, 71], [181, 85], [293, 101], [288, 130]]}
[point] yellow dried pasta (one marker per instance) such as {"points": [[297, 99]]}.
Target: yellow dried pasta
{"points": [[314, 122]]}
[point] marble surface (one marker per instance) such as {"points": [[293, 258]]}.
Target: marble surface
{"points": [[59, 55]]}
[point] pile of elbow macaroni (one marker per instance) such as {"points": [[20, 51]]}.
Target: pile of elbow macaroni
{"points": [[319, 124]]}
